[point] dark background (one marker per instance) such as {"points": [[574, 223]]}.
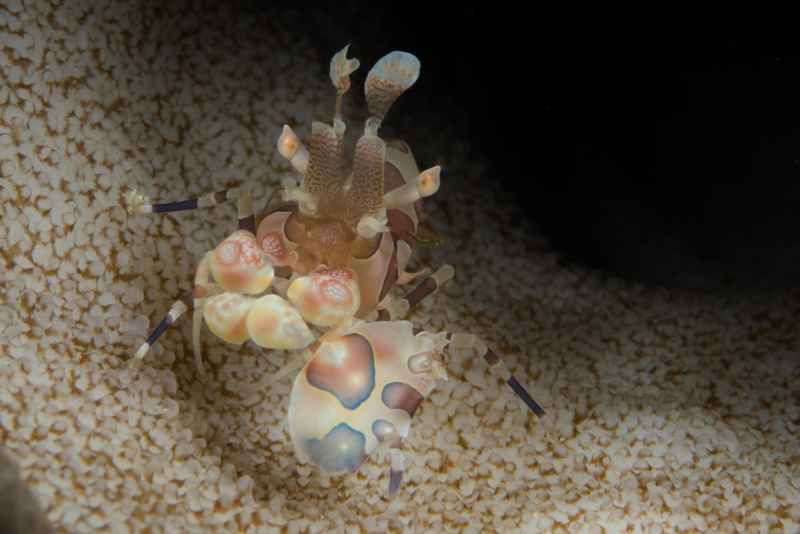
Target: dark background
{"points": [[664, 154]]}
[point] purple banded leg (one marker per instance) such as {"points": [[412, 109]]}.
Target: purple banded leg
{"points": [[137, 203], [398, 466], [523, 394], [426, 288], [203, 288], [387, 433], [178, 308], [429, 286], [497, 366]]}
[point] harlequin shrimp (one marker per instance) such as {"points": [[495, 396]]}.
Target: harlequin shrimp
{"points": [[316, 275]]}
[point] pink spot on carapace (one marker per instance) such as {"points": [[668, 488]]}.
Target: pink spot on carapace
{"points": [[344, 367], [228, 252], [240, 250], [400, 395], [272, 244], [335, 292]]}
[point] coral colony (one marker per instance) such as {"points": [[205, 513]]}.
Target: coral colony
{"points": [[316, 276]]}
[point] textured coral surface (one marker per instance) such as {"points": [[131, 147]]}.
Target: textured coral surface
{"points": [[669, 410]]}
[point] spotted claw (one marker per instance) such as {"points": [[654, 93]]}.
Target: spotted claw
{"points": [[273, 323], [238, 264], [326, 297]]}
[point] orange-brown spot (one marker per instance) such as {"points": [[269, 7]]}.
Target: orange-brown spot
{"points": [[344, 368], [290, 144], [266, 321], [335, 292], [272, 245], [426, 182]]}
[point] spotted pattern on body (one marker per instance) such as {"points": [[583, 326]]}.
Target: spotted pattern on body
{"points": [[383, 429], [241, 249], [272, 244], [325, 300], [398, 395], [334, 291], [238, 264], [342, 449], [345, 368]]}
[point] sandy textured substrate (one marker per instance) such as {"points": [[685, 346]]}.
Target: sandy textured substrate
{"points": [[670, 411]]}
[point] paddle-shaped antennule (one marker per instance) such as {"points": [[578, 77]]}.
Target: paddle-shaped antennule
{"points": [[391, 76]]}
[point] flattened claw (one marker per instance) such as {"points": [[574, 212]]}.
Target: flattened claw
{"points": [[239, 264], [326, 297], [226, 316], [273, 323]]}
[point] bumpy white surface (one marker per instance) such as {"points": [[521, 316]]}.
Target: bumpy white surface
{"points": [[670, 410]]}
